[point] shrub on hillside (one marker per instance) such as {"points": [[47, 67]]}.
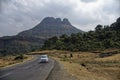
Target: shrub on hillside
{"points": [[19, 57]]}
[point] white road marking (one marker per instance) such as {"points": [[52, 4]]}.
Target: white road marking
{"points": [[5, 75]]}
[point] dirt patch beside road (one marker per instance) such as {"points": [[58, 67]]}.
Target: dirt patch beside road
{"points": [[9, 60], [58, 73]]}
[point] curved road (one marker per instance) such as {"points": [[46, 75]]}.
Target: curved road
{"points": [[31, 70]]}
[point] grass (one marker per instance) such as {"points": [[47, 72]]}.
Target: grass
{"points": [[11, 60], [88, 65]]}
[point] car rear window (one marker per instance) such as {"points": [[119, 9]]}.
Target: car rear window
{"points": [[43, 56]]}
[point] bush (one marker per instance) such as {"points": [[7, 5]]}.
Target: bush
{"points": [[19, 57]]}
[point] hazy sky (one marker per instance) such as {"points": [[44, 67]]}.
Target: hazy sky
{"points": [[19, 15]]}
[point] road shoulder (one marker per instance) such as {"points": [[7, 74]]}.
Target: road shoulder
{"points": [[59, 73], [12, 63]]}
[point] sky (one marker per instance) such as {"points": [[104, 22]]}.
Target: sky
{"points": [[20, 15]]}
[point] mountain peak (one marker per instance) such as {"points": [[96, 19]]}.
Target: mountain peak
{"points": [[66, 21], [51, 26], [48, 20], [58, 20], [52, 20]]}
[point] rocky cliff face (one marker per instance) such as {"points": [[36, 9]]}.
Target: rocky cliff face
{"points": [[49, 27], [53, 21]]}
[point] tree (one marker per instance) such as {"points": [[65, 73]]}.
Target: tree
{"points": [[98, 28], [59, 45]]}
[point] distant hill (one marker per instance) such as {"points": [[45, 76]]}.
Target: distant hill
{"points": [[19, 44], [50, 27], [34, 38]]}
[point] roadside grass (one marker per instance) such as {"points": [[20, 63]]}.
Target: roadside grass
{"points": [[10, 60], [89, 65]]}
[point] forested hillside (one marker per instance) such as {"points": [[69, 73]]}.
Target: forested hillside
{"points": [[103, 37], [19, 44]]}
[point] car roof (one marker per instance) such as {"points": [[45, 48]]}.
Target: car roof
{"points": [[44, 55]]}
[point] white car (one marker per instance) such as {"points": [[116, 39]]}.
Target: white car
{"points": [[43, 58]]}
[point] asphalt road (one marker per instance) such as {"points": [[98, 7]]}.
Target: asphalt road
{"points": [[31, 70]]}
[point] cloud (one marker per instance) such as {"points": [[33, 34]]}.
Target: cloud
{"points": [[19, 15], [88, 1]]}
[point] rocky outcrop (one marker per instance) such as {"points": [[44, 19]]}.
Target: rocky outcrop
{"points": [[50, 27]]}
